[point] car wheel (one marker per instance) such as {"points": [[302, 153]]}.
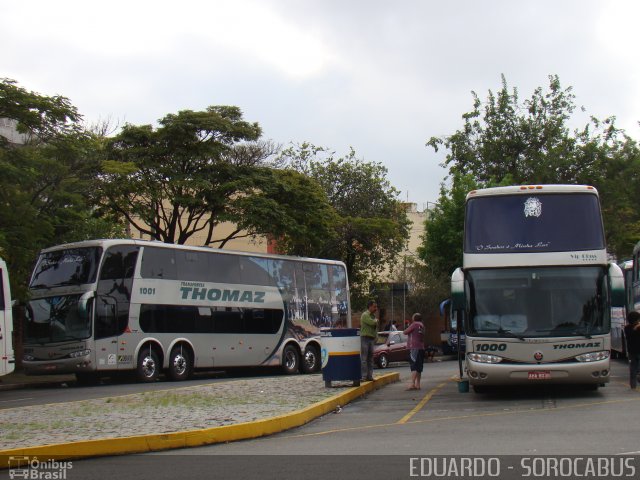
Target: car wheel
{"points": [[383, 360]]}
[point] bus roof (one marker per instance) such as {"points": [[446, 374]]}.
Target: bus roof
{"points": [[524, 189], [106, 243]]}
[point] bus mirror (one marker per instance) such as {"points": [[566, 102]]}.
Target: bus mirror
{"points": [[458, 301], [616, 284], [83, 304]]}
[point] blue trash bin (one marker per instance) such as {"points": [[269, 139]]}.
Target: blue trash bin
{"points": [[340, 355]]}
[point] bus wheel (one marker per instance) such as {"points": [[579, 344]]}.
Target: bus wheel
{"points": [[290, 360], [179, 363], [148, 366], [311, 359]]}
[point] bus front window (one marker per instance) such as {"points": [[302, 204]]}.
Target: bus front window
{"points": [[56, 319], [72, 266], [538, 302]]}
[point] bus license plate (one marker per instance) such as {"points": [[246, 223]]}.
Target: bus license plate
{"points": [[540, 375]]}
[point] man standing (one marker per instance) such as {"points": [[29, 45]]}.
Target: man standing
{"points": [[415, 344], [368, 334]]}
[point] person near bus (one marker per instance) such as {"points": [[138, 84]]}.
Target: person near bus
{"points": [[632, 335], [368, 334], [415, 344]]}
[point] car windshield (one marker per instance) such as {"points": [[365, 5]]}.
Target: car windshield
{"points": [[538, 302], [56, 319]]}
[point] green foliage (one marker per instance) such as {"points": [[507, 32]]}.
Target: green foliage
{"points": [[46, 182], [442, 243], [200, 169], [371, 227], [39, 117], [505, 141]]}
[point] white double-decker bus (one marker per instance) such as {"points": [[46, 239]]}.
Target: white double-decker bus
{"points": [[536, 288], [105, 306], [7, 360]]}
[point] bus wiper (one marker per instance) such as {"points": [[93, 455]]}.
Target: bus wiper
{"points": [[509, 333], [40, 285], [586, 334]]}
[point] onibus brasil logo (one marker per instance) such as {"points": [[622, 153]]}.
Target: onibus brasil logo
{"points": [[34, 469]]}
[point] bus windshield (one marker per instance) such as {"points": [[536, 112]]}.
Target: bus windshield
{"points": [[72, 266], [533, 223], [538, 302], [56, 319]]}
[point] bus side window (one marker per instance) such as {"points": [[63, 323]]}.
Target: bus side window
{"points": [[224, 268], [159, 263], [119, 262], [192, 265]]}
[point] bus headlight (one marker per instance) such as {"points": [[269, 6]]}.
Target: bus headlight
{"points": [[593, 356], [81, 353], [28, 358], [484, 358]]}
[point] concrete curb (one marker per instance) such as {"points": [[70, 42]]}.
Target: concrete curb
{"points": [[196, 438]]}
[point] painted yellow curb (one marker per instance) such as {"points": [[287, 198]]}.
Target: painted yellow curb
{"points": [[196, 438]]}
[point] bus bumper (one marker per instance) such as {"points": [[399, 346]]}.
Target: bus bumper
{"points": [[587, 373], [57, 367]]}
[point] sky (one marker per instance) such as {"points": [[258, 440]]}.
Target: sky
{"points": [[377, 76]]}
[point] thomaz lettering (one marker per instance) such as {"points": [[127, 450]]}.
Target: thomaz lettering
{"points": [[564, 346], [216, 294]]}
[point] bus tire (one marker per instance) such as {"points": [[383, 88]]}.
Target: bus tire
{"points": [[311, 359], [290, 360], [148, 368], [180, 363]]}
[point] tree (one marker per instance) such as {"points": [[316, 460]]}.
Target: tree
{"points": [[200, 169], [442, 242], [530, 142], [46, 179], [372, 227]]}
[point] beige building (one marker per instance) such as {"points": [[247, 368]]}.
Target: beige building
{"points": [[244, 244]]}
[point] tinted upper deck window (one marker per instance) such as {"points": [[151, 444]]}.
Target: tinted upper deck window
{"points": [[533, 223]]}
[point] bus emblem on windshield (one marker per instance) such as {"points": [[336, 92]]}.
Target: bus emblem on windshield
{"points": [[532, 207]]}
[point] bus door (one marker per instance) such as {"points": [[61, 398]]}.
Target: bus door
{"points": [[113, 298], [6, 323]]}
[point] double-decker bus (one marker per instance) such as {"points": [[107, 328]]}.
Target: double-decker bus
{"points": [[7, 360], [536, 288], [105, 306]]}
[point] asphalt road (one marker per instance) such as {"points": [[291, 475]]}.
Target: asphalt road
{"points": [[375, 437]]}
